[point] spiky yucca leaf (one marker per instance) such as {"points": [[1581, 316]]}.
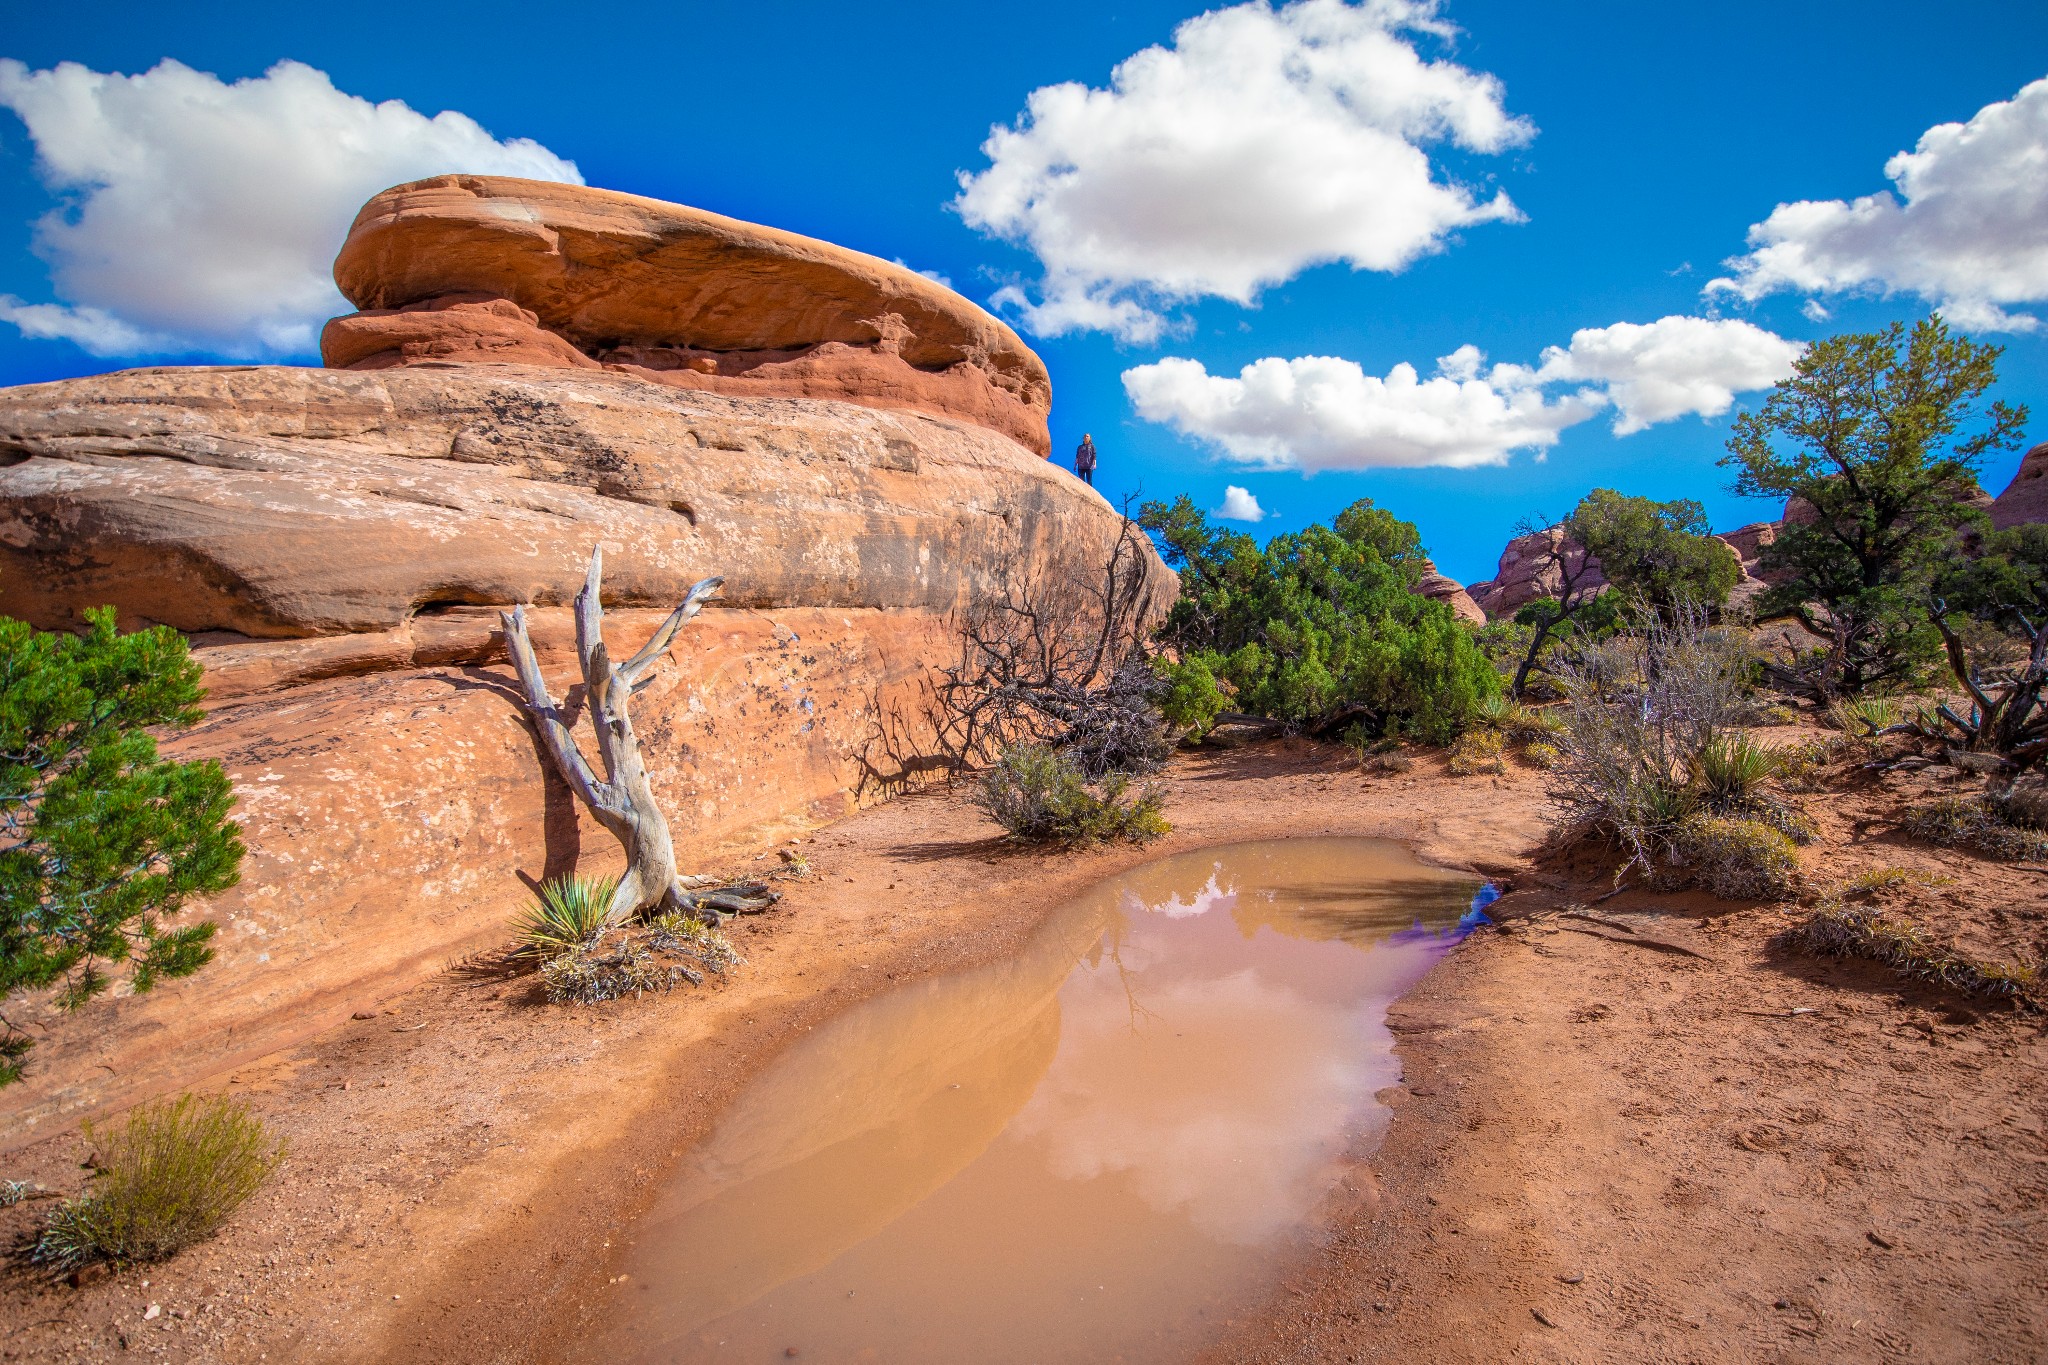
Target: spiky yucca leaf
{"points": [[568, 914]]}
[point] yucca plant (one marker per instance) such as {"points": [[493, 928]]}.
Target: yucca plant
{"points": [[1730, 769], [1863, 717], [169, 1175], [569, 913]]}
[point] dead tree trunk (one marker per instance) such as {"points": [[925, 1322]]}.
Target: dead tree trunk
{"points": [[623, 802]]}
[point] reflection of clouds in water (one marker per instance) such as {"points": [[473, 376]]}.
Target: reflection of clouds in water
{"points": [[1212, 896], [1241, 1172]]}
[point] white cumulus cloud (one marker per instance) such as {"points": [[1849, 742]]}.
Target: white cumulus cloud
{"points": [[1323, 412], [1240, 505], [1967, 228], [197, 214], [1673, 367], [1263, 142]]}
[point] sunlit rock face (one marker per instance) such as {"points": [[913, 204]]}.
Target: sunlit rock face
{"points": [[337, 544], [483, 269], [2025, 499]]}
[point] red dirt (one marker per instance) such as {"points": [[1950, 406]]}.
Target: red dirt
{"points": [[1576, 1104]]}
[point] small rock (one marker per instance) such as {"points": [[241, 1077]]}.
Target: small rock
{"points": [[1878, 1241], [1782, 1303], [1537, 1313], [1572, 1279], [789, 1350], [153, 1311], [364, 1014]]}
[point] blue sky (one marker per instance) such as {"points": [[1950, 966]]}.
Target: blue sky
{"points": [[1637, 144]]}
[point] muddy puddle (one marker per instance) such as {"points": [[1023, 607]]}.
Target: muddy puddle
{"points": [[1096, 1150]]}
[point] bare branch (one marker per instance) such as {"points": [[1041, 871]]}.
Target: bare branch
{"points": [[547, 717], [658, 643]]}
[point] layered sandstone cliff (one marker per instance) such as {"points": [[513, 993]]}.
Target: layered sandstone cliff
{"points": [[489, 269], [337, 543]]}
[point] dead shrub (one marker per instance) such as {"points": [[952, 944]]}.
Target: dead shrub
{"points": [[1640, 711]]}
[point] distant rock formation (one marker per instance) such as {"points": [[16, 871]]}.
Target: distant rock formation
{"points": [[466, 269], [2025, 499], [1441, 588]]}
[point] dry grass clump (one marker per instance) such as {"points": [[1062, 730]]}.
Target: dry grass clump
{"points": [[1476, 751], [680, 933], [169, 1175], [1879, 880], [1802, 767], [1974, 822], [1040, 796], [609, 968], [1540, 755], [1737, 858], [1392, 761], [1909, 948]]}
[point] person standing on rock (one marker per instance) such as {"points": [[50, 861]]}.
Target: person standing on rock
{"points": [[1084, 459]]}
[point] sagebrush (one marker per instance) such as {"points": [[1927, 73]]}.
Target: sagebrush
{"points": [[1040, 795], [169, 1174]]}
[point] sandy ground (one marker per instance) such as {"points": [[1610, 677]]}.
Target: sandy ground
{"points": [[1604, 1149]]}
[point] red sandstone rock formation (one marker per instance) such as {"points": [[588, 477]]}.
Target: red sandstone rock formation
{"points": [[1447, 590], [1525, 573], [2025, 499], [474, 269], [337, 543]]}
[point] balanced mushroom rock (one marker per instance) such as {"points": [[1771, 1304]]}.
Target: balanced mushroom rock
{"points": [[670, 294]]}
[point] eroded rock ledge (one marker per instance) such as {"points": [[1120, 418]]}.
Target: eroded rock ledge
{"points": [[336, 543], [491, 269]]}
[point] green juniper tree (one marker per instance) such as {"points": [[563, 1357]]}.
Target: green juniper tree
{"points": [[1878, 436], [1318, 629], [101, 840]]}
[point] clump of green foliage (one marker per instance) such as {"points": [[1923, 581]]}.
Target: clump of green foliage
{"points": [[1318, 629], [170, 1174], [1738, 858], [1189, 699], [1975, 822], [102, 841], [1875, 441], [1039, 795], [1838, 929], [569, 912]]}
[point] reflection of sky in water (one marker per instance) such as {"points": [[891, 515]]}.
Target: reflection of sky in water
{"points": [[1070, 1154]]}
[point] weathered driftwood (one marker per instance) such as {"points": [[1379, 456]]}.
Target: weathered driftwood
{"points": [[623, 802]]}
